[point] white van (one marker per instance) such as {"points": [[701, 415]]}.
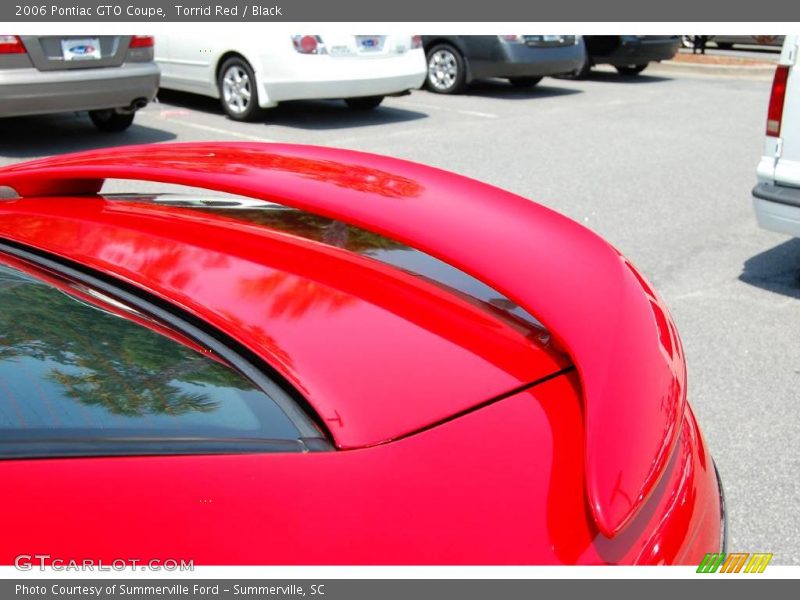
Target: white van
{"points": [[776, 197]]}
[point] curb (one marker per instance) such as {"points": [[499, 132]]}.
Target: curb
{"points": [[765, 71]]}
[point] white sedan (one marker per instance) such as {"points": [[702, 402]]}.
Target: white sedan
{"points": [[249, 72]]}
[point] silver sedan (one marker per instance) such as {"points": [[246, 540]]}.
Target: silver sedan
{"points": [[111, 76]]}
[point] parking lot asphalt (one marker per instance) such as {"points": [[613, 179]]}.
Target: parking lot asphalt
{"points": [[661, 165]]}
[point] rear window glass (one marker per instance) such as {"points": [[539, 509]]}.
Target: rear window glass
{"points": [[78, 379]]}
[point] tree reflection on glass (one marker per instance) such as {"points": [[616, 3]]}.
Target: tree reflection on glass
{"points": [[101, 359]]}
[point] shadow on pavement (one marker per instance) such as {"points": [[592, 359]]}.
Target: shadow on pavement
{"points": [[197, 102], [503, 90], [301, 114], [334, 114], [44, 135], [614, 77], [776, 270]]}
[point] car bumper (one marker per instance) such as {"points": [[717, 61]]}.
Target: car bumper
{"points": [[639, 52], [31, 92], [332, 89], [520, 60], [690, 512], [723, 536], [777, 208], [325, 77]]}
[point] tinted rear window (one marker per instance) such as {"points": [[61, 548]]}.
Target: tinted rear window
{"points": [[78, 379]]}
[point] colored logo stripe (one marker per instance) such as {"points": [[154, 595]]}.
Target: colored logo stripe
{"points": [[733, 563]]}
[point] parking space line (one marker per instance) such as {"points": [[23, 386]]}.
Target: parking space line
{"points": [[211, 129], [471, 113], [476, 113]]}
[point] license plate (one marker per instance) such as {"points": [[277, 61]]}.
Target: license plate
{"points": [[340, 51], [369, 43], [81, 49], [552, 38]]}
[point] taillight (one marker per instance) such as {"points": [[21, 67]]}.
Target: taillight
{"points": [[416, 41], [512, 38], [142, 41], [11, 44], [775, 111], [308, 44]]}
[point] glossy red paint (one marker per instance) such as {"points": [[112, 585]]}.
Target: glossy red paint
{"points": [[617, 330], [377, 352], [500, 485]]}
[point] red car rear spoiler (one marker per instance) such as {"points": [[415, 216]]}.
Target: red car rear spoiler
{"points": [[594, 302]]}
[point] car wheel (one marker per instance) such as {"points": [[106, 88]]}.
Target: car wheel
{"points": [[238, 91], [724, 46], [523, 82], [446, 70], [110, 120], [364, 102], [631, 69]]}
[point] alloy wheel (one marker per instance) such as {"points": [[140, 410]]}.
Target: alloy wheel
{"points": [[442, 69], [236, 92]]}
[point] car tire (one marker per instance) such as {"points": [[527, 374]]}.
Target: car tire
{"points": [[524, 82], [364, 102], [631, 69], [724, 45], [238, 91], [446, 70], [110, 120]]}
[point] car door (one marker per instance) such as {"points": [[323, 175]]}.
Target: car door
{"points": [[187, 63]]}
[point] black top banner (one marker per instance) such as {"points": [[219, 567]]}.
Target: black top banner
{"points": [[449, 11]]}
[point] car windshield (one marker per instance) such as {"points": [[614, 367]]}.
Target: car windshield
{"points": [[79, 377]]}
